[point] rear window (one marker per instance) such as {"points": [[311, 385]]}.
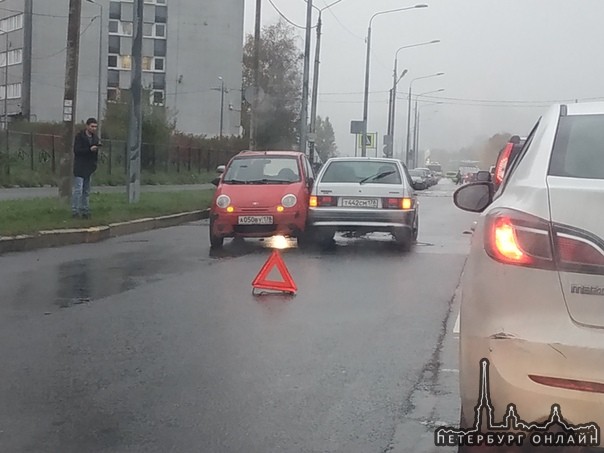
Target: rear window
{"points": [[350, 171], [579, 147], [263, 169]]}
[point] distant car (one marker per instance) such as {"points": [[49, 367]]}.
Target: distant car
{"points": [[420, 179], [531, 293], [261, 194], [468, 174], [506, 157], [432, 180], [364, 195], [451, 175]]}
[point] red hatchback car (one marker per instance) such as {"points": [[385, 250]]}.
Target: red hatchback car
{"points": [[261, 194]]}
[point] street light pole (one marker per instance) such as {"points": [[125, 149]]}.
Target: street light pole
{"points": [[221, 105], [407, 148], [367, 64], [418, 124], [416, 121], [99, 109], [395, 81], [306, 80]]}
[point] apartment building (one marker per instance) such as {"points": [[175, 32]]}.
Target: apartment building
{"points": [[191, 50]]}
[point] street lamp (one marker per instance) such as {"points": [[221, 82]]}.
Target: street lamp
{"points": [[315, 89], [99, 107], [407, 155], [395, 81], [366, 97], [417, 122], [221, 105]]}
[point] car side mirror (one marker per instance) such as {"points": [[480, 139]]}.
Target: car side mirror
{"points": [[215, 181], [416, 186], [221, 169], [474, 197], [483, 176]]}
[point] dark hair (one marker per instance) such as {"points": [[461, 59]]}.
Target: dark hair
{"points": [[90, 121]]}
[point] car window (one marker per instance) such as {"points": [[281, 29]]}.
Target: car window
{"points": [[579, 147], [355, 171], [512, 165], [249, 169]]}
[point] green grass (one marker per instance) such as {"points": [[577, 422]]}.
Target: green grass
{"points": [[24, 177], [29, 216]]}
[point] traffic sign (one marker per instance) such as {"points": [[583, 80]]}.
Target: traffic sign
{"points": [[262, 281], [370, 140]]}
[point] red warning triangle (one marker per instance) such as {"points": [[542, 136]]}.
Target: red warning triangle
{"points": [[261, 281]]}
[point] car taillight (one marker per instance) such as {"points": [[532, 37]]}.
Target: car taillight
{"points": [[397, 203], [316, 201], [517, 238], [502, 163]]}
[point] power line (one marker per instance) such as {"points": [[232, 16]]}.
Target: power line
{"points": [[285, 17], [36, 14], [65, 48]]}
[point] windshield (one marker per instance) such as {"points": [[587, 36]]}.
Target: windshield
{"points": [[416, 173], [373, 172], [265, 170]]}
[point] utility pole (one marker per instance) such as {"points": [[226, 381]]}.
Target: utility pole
{"points": [[70, 97], [306, 80], [135, 129], [315, 94], [221, 105], [256, 65]]}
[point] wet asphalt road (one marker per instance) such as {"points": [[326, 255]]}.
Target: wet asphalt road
{"points": [[147, 343]]}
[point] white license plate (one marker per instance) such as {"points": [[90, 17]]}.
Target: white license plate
{"points": [[255, 220], [360, 202]]}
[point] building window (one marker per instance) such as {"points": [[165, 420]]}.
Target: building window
{"points": [[14, 57], [113, 79], [159, 49], [159, 64], [112, 61], [159, 81], [160, 30], [12, 23], [157, 97], [147, 62], [125, 62], [13, 91], [113, 94], [115, 10], [114, 44], [114, 26], [148, 30], [161, 14]]}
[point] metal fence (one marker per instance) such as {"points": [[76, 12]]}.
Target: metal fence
{"points": [[41, 153]]}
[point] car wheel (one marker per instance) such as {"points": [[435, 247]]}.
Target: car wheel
{"points": [[304, 239], [416, 228], [324, 236], [403, 238], [216, 242]]}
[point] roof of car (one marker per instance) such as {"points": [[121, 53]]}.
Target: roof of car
{"points": [[353, 158], [270, 153], [585, 108]]}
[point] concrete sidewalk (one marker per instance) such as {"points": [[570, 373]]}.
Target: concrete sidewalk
{"points": [[49, 192]]}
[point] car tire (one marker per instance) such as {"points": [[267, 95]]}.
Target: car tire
{"points": [[216, 242], [416, 228], [403, 238], [324, 236], [304, 239]]}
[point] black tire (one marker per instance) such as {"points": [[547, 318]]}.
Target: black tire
{"points": [[216, 242], [416, 228], [403, 238], [324, 236], [304, 239]]}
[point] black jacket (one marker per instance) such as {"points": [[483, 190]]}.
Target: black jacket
{"points": [[85, 160]]}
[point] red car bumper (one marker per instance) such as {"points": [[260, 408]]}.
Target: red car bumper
{"points": [[291, 222]]}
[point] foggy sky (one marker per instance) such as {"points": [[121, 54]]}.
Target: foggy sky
{"points": [[520, 55]]}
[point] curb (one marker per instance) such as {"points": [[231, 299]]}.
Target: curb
{"points": [[61, 238]]}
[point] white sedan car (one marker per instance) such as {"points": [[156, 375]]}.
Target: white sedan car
{"points": [[364, 195], [532, 299]]}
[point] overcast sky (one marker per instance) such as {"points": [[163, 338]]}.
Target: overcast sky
{"points": [[504, 62]]}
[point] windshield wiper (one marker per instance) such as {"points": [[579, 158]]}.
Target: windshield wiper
{"points": [[269, 181], [377, 176], [235, 181]]}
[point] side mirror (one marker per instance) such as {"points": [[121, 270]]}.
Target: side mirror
{"points": [[221, 169], [417, 186], [483, 176], [474, 197], [215, 181]]}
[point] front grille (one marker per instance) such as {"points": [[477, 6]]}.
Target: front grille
{"points": [[254, 229], [254, 210]]}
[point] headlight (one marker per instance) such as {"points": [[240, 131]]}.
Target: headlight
{"points": [[223, 201], [289, 200]]}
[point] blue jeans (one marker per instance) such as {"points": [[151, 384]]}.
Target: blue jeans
{"points": [[80, 200]]}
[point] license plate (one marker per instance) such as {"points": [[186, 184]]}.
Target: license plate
{"points": [[360, 202], [255, 220]]}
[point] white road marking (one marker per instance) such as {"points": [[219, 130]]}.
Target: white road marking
{"points": [[456, 327]]}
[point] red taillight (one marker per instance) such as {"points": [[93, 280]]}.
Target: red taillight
{"points": [[397, 203], [513, 237], [502, 163], [327, 201], [569, 384]]}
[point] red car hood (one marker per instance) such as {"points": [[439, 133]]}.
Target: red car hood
{"points": [[258, 196]]}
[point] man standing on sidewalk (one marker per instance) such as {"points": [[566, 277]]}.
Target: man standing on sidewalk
{"points": [[86, 155]]}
